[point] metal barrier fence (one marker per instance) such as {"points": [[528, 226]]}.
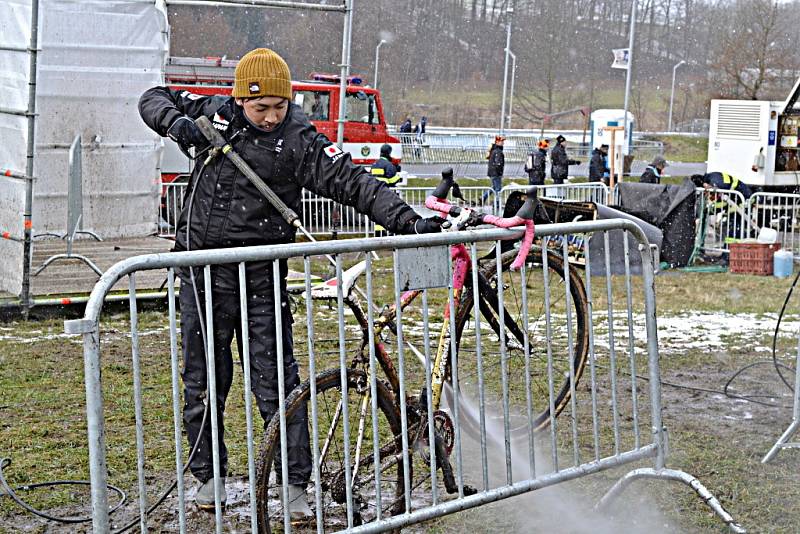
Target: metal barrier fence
{"points": [[779, 211], [370, 416], [725, 219], [596, 192], [431, 148], [172, 196], [320, 215], [726, 214]]}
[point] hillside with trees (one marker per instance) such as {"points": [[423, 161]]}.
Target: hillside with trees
{"points": [[445, 58]]}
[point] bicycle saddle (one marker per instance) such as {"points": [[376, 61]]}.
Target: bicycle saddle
{"points": [[327, 290]]}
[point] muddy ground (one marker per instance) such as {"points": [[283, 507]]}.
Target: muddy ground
{"points": [[716, 438]]}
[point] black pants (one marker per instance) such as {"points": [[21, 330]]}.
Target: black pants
{"points": [[263, 361], [534, 179]]}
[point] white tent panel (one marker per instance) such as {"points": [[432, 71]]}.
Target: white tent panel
{"points": [[97, 58], [12, 202], [16, 30]]}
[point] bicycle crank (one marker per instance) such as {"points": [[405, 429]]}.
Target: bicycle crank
{"points": [[445, 432]]}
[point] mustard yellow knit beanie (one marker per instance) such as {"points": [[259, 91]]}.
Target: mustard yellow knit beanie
{"points": [[262, 72]]}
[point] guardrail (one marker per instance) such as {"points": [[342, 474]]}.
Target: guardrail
{"points": [[779, 211], [608, 422], [431, 148], [727, 215]]}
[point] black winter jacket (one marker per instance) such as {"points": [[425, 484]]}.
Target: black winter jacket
{"points": [[650, 176], [228, 210], [598, 171], [536, 171], [497, 162], [559, 170]]}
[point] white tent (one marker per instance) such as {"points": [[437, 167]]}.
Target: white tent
{"points": [[94, 59]]}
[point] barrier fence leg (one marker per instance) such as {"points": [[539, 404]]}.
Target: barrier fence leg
{"points": [[783, 441], [659, 432], [678, 476], [94, 420]]}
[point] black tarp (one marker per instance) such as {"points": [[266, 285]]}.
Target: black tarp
{"points": [[671, 208], [617, 245]]}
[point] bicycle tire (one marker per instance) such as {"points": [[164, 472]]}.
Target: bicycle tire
{"points": [[540, 419], [334, 512]]}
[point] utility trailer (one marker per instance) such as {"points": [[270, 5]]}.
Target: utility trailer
{"points": [[757, 141]]}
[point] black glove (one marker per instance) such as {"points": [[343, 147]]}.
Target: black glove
{"points": [[185, 132], [431, 225]]}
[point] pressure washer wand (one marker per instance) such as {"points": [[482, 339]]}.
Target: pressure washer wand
{"points": [[221, 145]]}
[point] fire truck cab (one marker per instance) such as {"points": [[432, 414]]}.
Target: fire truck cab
{"points": [[364, 128]]}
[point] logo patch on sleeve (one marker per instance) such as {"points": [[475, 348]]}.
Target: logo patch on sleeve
{"points": [[190, 96], [254, 88], [219, 122], [333, 152]]}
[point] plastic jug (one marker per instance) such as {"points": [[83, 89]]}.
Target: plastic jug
{"points": [[767, 235], [782, 263]]}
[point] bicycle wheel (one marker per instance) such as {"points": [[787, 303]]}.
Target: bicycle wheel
{"points": [[564, 328], [332, 447]]}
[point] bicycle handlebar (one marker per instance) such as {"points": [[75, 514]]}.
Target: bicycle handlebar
{"points": [[438, 202]]}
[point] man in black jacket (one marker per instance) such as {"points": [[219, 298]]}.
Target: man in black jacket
{"points": [[224, 209], [536, 164], [559, 162], [497, 163], [598, 166]]}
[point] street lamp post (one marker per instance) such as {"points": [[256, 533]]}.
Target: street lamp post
{"points": [[509, 12], [377, 57], [513, 76], [628, 135], [672, 93]]}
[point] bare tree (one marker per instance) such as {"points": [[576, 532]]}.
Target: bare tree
{"points": [[749, 56]]}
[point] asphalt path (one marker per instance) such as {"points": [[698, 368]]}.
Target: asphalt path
{"points": [[478, 170]]}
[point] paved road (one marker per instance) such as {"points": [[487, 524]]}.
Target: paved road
{"points": [[478, 170]]}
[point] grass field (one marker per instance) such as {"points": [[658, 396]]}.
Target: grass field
{"points": [[478, 104], [710, 325]]}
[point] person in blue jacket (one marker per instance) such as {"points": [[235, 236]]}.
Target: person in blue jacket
{"points": [[598, 166]]}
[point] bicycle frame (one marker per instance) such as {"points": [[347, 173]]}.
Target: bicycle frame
{"points": [[461, 261]]}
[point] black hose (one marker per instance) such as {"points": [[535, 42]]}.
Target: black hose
{"points": [[196, 445], [11, 492], [775, 336], [5, 462]]}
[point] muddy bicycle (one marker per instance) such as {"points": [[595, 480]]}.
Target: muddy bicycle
{"points": [[372, 449]]}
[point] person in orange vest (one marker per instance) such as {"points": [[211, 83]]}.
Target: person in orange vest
{"points": [[536, 164]]}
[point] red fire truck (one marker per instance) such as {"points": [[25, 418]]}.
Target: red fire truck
{"points": [[364, 130]]}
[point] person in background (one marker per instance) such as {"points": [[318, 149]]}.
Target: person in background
{"points": [[652, 174], [419, 129], [274, 135], [725, 182], [319, 110], [419, 140], [406, 126], [598, 166], [560, 162], [496, 165], [536, 163], [384, 170]]}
